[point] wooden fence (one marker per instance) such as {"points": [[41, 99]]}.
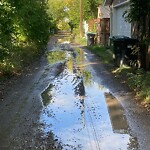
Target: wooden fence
{"points": [[103, 31]]}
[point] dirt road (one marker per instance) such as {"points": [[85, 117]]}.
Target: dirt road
{"points": [[70, 101]]}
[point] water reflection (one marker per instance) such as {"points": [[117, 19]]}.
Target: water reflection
{"points": [[117, 115], [84, 116], [47, 96], [56, 56]]}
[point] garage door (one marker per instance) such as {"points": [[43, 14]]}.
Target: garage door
{"points": [[123, 27]]}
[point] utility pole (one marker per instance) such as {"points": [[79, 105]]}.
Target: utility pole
{"points": [[81, 20]]}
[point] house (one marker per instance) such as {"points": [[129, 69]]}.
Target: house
{"points": [[103, 12], [103, 25], [118, 25]]}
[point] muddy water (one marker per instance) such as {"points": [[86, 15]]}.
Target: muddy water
{"points": [[81, 113]]}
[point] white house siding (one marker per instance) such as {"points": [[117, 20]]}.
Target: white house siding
{"points": [[119, 25]]}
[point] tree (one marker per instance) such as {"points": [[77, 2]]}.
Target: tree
{"points": [[139, 16], [30, 16], [70, 9], [139, 13], [24, 31], [91, 11]]}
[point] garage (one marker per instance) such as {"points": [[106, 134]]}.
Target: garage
{"points": [[119, 25]]}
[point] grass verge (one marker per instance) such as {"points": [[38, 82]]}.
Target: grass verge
{"points": [[103, 52]]}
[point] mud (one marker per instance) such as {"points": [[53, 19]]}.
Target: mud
{"points": [[69, 100]]}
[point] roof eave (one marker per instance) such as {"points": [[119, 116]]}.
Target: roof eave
{"points": [[108, 2]]}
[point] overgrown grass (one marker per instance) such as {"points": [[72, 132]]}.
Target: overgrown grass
{"points": [[81, 41], [103, 52], [140, 82], [19, 58]]}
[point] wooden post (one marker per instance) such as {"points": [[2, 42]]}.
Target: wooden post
{"points": [[81, 20]]}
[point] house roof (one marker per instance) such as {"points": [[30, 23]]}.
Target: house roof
{"points": [[103, 12], [115, 2], [108, 2]]}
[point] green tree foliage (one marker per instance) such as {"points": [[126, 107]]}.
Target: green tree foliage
{"points": [[139, 12], [138, 9], [24, 31], [91, 10], [139, 16], [6, 28], [70, 9], [73, 13]]}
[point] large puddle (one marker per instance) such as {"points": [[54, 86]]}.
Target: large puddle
{"points": [[81, 114]]}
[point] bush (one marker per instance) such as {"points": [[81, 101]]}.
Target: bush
{"points": [[24, 31], [140, 82]]}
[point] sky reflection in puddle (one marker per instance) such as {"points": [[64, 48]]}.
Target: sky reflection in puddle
{"points": [[84, 116]]}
